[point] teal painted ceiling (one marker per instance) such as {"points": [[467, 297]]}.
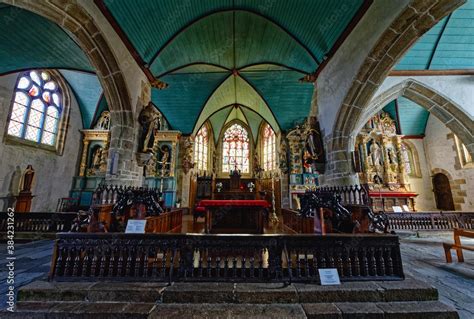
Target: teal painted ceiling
{"points": [[219, 53], [87, 90], [29, 41], [413, 117], [151, 25], [448, 45]]}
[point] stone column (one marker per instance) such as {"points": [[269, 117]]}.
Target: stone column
{"points": [[122, 166], [339, 170]]}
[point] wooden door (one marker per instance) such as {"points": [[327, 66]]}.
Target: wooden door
{"points": [[442, 192]]}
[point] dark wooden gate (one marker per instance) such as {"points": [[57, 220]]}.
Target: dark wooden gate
{"points": [[442, 192]]}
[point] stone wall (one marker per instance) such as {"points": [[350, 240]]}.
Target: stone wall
{"points": [[53, 172], [421, 184], [441, 155]]}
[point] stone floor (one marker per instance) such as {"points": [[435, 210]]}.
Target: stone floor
{"points": [[423, 259]]}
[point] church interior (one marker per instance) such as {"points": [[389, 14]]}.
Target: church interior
{"points": [[219, 158]]}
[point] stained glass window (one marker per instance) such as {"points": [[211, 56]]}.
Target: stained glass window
{"points": [[269, 149], [36, 108], [201, 149], [235, 149], [407, 158]]}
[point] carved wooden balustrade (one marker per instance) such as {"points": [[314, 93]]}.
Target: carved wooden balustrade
{"points": [[352, 194], [38, 222], [109, 194], [235, 258], [430, 221]]}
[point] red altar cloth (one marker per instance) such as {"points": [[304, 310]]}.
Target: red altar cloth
{"points": [[228, 202], [391, 194]]}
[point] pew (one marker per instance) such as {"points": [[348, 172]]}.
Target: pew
{"points": [[458, 233]]}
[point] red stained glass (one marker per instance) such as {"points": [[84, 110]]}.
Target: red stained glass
{"points": [[235, 146], [33, 91]]}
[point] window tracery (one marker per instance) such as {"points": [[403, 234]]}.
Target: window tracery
{"points": [[36, 109], [201, 149], [269, 148], [236, 149]]}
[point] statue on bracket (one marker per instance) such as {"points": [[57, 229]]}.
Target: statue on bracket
{"points": [[28, 179], [283, 156], [150, 120], [103, 123]]}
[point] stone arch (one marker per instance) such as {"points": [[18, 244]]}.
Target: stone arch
{"points": [[72, 17], [434, 102], [417, 18]]}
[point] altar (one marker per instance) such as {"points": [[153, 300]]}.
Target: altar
{"points": [[235, 216]]}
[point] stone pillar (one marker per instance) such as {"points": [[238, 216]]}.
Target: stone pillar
{"points": [[339, 171], [122, 166]]}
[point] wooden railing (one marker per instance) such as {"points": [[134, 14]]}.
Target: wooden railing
{"points": [[165, 223], [352, 194], [234, 258], [109, 194], [295, 222], [430, 221], [38, 222]]}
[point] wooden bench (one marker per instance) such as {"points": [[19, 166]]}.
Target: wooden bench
{"points": [[457, 244]]}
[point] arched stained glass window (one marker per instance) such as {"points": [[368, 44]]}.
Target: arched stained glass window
{"points": [[407, 158], [201, 149], [235, 149], [269, 149], [36, 108]]}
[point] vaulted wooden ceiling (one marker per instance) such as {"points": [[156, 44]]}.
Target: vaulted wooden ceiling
{"points": [[219, 53], [29, 41]]}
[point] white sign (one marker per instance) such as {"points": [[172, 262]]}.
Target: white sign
{"points": [[135, 226], [397, 209], [405, 208], [329, 276]]}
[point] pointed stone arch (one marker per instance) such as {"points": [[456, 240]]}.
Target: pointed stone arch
{"points": [[417, 18], [434, 102], [73, 18]]}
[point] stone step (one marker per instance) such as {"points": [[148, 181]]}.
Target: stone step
{"points": [[258, 293], [94, 310]]}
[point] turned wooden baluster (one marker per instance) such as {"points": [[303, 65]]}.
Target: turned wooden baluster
{"points": [[388, 261], [380, 262]]}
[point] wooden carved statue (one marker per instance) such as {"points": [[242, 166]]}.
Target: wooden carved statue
{"points": [[103, 123], [27, 179], [150, 120]]}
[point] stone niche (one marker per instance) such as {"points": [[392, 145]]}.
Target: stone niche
{"points": [[93, 165], [379, 162], [160, 169]]}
